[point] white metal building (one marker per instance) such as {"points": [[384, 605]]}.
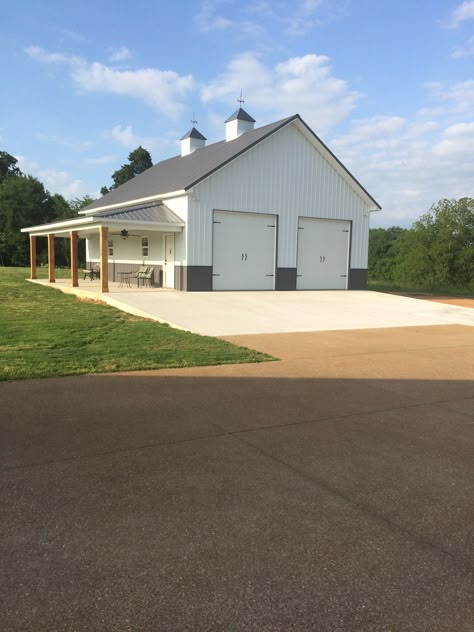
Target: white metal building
{"points": [[270, 208]]}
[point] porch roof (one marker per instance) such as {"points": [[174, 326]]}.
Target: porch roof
{"points": [[152, 216], [155, 212]]}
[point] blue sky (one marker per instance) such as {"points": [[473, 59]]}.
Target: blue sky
{"points": [[389, 86]]}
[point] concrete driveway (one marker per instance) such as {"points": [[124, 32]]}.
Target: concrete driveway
{"points": [[331, 491], [237, 313]]}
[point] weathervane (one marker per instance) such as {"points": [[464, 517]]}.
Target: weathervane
{"points": [[193, 121], [240, 100]]}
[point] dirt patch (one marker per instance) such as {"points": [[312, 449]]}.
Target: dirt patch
{"points": [[448, 300], [90, 300]]}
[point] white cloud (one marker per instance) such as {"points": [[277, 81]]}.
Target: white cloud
{"points": [[55, 181], [461, 13], [408, 164], [207, 19], [464, 51], [308, 14], [38, 53], [163, 90], [72, 35], [457, 143], [459, 95], [286, 18], [210, 19], [120, 54], [124, 135], [299, 84]]}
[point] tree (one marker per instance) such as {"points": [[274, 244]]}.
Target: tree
{"points": [[139, 161], [439, 249], [8, 165], [383, 252], [77, 204], [23, 202]]}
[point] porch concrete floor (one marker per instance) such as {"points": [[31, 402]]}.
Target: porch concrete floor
{"points": [[237, 313]]}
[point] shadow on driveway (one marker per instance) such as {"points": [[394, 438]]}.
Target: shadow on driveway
{"points": [[161, 502]]}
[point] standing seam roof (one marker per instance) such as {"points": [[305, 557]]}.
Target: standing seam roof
{"points": [[158, 213]]}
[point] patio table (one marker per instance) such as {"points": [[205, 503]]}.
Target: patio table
{"points": [[125, 278]]}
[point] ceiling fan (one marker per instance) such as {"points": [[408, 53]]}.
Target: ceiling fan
{"points": [[124, 234]]}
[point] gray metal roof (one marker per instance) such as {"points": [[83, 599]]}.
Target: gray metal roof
{"points": [[155, 212], [182, 172], [240, 114], [193, 133]]}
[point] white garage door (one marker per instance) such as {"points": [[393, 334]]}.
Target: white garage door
{"points": [[244, 247], [323, 254]]}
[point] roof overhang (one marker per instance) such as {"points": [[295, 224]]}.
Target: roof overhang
{"points": [[151, 198], [90, 224]]}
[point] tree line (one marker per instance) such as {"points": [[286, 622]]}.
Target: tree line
{"points": [[436, 252], [24, 201]]}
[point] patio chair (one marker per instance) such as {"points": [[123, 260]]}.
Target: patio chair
{"points": [[139, 274], [147, 277], [92, 273]]}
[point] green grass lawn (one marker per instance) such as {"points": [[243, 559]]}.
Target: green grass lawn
{"points": [[45, 333], [389, 286]]}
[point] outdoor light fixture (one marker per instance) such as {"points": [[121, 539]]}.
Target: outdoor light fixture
{"points": [[124, 233]]}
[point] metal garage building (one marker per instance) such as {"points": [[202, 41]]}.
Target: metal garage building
{"points": [[270, 208]]}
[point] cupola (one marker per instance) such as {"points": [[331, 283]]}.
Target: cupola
{"points": [[191, 141], [237, 124]]}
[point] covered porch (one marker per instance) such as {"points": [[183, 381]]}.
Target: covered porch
{"points": [[119, 245]]}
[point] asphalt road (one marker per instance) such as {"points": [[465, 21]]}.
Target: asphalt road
{"points": [[331, 491]]}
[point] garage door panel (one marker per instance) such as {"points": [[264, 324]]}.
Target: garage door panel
{"points": [[323, 254], [243, 251]]}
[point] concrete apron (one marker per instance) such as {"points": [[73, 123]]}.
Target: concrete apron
{"points": [[239, 313]]}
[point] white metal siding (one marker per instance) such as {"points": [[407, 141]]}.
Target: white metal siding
{"points": [[179, 205], [283, 175], [129, 250]]}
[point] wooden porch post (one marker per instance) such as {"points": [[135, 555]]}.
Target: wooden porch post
{"points": [[104, 259], [51, 277], [33, 257], [73, 244]]}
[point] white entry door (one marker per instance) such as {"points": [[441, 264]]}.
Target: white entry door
{"points": [[323, 254], [169, 262], [244, 246]]}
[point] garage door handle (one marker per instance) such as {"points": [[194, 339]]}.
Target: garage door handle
{"points": [[269, 275], [216, 275], [343, 275]]}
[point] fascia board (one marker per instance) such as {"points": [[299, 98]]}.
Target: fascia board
{"points": [[151, 198]]}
